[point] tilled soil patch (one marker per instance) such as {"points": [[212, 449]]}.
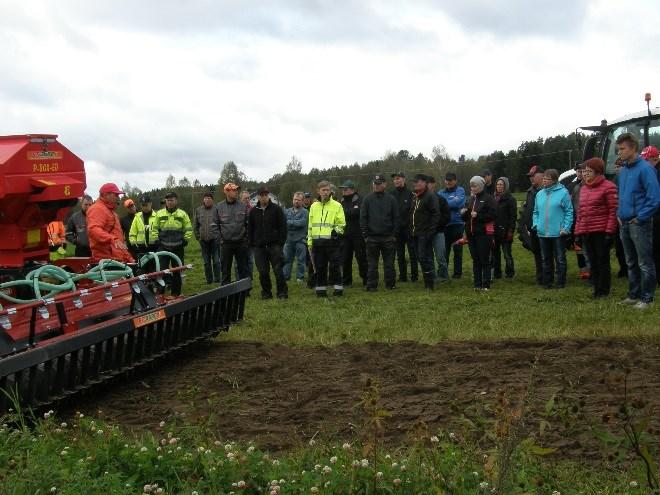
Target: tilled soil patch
{"points": [[281, 396]]}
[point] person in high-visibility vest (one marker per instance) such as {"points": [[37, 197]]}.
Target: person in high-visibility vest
{"points": [[143, 234], [324, 231], [56, 239], [174, 232]]}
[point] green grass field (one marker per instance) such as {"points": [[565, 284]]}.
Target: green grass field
{"points": [[454, 311]]}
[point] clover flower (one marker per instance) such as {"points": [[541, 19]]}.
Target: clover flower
{"points": [[333, 460], [396, 482], [364, 463], [327, 470]]}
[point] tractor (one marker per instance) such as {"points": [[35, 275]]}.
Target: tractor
{"points": [[77, 322]]}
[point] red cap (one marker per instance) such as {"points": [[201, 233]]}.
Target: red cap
{"points": [[534, 170], [110, 188], [650, 152]]}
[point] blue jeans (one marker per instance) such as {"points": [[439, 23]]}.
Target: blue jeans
{"points": [[211, 257], [637, 242], [440, 256], [297, 249], [553, 253]]}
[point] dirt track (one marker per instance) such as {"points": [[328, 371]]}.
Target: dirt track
{"points": [[281, 396]]}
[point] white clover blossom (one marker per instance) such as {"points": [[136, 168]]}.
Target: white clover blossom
{"points": [[161, 424], [379, 474], [333, 459], [633, 484], [250, 449], [396, 482], [241, 484], [364, 463], [483, 485], [434, 439], [327, 469], [346, 446], [556, 492]]}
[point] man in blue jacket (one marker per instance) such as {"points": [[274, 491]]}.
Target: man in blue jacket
{"points": [[639, 198], [455, 197], [296, 241]]}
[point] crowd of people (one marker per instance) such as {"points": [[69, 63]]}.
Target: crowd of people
{"points": [[415, 230]]}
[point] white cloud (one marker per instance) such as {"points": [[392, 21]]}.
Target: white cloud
{"points": [[141, 90]]}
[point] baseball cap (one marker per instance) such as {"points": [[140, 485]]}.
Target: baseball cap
{"points": [[144, 199], [348, 184], [379, 179], [485, 172], [307, 195], [420, 177], [650, 152], [263, 190], [171, 194], [535, 169], [398, 174], [128, 202], [450, 176], [110, 188], [230, 186]]}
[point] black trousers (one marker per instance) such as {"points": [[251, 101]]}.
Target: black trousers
{"points": [[538, 259], [599, 257], [230, 250], [83, 252], [502, 247], [327, 259], [453, 233], [166, 262], [404, 240], [354, 246], [264, 258], [480, 245], [386, 248]]}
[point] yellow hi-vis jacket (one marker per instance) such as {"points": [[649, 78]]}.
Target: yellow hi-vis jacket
{"points": [[323, 219], [142, 235], [173, 228]]}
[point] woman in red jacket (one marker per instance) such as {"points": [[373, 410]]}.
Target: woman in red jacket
{"points": [[596, 222]]}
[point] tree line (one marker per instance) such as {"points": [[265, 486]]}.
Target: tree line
{"points": [[560, 152]]}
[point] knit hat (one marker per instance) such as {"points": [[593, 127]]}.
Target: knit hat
{"points": [[506, 183], [595, 164], [479, 182]]}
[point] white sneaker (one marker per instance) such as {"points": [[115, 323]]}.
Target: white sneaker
{"points": [[629, 301], [641, 305]]}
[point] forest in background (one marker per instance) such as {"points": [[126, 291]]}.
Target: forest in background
{"points": [[560, 152]]}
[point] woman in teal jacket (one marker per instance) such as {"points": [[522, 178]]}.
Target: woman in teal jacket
{"points": [[552, 220]]}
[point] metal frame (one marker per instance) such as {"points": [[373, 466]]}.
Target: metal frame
{"points": [[74, 362]]}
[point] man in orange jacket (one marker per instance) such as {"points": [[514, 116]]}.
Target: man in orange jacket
{"points": [[106, 239]]}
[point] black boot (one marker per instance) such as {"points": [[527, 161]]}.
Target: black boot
{"points": [[428, 281]]}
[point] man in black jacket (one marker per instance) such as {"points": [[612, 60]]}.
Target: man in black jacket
{"points": [[267, 235], [353, 242], [379, 221], [424, 218], [527, 235], [76, 228], [405, 199]]}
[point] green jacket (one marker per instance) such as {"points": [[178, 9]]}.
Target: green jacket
{"points": [[324, 219], [174, 228], [141, 235]]}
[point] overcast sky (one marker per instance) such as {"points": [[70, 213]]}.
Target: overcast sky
{"points": [[141, 89]]}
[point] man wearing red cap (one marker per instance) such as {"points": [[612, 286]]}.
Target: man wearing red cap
{"points": [[652, 155], [106, 239]]}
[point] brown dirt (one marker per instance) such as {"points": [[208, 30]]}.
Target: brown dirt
{"points": [[281, 396]]}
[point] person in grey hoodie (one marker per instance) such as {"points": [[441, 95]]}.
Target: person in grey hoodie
{"points": [[296, 240], [505, 225]]}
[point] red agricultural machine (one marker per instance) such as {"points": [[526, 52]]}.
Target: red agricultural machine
{"points": [[67, 326]]}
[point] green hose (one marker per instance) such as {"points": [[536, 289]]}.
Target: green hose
{"points": [[104, 272]]}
